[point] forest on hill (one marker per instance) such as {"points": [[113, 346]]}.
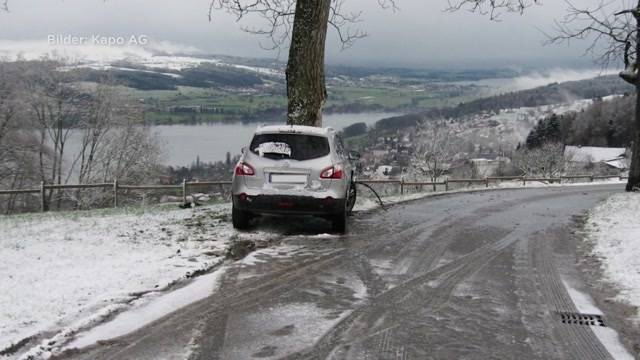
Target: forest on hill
{"points": [[546, 95], [604, 123]]}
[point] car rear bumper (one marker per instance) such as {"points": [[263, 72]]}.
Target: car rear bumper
{"points": [[287, 204]]}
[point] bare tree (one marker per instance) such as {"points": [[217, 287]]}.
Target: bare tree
{"points": [[18, 163], [55, 106], [548, 160], [128, 152], [114, 143], [613, 29], [131, 153], [436, 146], [106, 127], [93, 128], [8, 99], [43, 112], [305, 24]]}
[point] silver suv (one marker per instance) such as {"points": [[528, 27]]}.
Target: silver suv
{"points": [[294, 170]]}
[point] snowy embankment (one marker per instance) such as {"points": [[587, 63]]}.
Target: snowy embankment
{"points": [[614, 229], [64, 272]]}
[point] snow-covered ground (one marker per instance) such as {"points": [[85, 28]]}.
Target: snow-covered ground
{"points": [[62, 272], [614, 228]]}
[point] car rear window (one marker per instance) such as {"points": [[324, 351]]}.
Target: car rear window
{"points": [[290, 146]]}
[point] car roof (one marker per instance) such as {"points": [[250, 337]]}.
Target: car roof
{"points": [[297, 129]]}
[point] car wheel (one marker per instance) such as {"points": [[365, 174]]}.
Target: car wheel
{"points": [[240, 218], [351, 197]]}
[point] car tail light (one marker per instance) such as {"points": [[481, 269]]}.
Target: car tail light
{"points": [[332, 172], [244, 169]]}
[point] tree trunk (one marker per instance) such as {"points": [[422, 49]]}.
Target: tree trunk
{"points": [[306, 90], [634, 171]]}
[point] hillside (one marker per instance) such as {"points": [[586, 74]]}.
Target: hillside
{"points": [[182, 91], [555, 93]]}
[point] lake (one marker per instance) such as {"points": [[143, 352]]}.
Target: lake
{"points": [[184, 143]]}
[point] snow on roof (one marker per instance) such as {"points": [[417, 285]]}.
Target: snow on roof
{"points": [[266, 129], [593, 153], [618, 164]]}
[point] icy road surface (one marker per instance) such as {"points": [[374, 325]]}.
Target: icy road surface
{"points": [[481, 275]]}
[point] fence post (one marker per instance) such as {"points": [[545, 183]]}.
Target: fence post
{"points": [[184, 191], [115, 193], [43, 201], [446, 184]]}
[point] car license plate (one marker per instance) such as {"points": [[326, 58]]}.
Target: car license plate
{"points": [[288, 179]]}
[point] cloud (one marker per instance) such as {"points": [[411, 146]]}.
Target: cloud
{"points": [[171, 48], [542, 78]]}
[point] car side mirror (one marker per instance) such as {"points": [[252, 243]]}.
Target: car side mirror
{"points": [[354, 155]]}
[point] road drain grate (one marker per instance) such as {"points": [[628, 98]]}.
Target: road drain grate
{"points": [[581, 319]]}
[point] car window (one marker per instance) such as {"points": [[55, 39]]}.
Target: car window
{"points": [[289, 146]]}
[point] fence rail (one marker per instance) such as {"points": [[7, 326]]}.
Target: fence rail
{"points": [[184, 187]]}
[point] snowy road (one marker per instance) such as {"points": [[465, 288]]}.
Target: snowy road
{"points": [[481, 275]]}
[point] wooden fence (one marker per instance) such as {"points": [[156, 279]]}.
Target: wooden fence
{"points": [[488, 180], [115, 188], [186, 185]]}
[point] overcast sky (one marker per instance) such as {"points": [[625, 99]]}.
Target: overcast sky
{"points": [[419, 34]]}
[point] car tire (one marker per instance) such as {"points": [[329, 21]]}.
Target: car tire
{"points": [[339, 222], [240, 218], [351, 198]]}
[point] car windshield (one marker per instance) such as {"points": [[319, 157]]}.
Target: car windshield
{"points": [[290, 146]]}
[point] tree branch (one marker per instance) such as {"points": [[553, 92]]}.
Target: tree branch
{"points": [[278, 17], [612, 34], [340, 22], [492, 8]]}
